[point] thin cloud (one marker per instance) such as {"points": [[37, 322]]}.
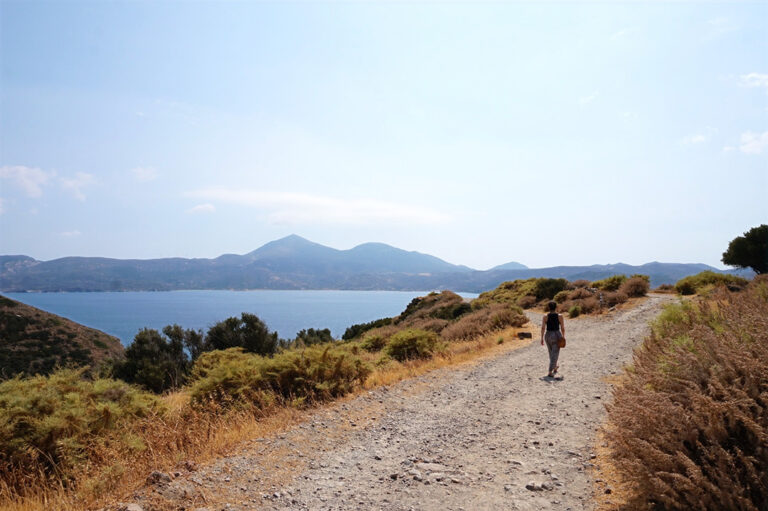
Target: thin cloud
{"points": [[299, 208], [753, 143], [75, 185], [698, 138], [585, 100], [621, 34], [202, 208], [694, 139], [2, 206], [144, 174], [30, 179], [754, 80], [70, 234], [718, 27]]}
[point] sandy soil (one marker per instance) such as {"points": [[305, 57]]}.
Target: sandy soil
{"points": [[498, 435]]}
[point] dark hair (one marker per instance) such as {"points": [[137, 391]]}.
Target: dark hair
{"points": [[552, 305]]}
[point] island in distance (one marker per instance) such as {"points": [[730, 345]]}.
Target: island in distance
{"points": [[297, 263]]}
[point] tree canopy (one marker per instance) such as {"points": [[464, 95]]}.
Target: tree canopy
{"points": [[749, 250]]}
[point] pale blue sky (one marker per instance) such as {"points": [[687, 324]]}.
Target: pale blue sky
{"points": [[546, 133]]}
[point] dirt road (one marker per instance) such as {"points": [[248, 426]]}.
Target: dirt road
{"points": [[494, 436]]}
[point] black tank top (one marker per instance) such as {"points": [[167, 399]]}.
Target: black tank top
{"points": [[553, 322]]}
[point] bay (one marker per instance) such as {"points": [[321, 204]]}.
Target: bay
{"points": [[123, 314]]}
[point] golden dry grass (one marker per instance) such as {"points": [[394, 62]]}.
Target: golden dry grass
{"points": [[184, 434]]}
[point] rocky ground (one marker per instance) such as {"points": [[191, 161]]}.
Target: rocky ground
{"points": [[498, 435]]}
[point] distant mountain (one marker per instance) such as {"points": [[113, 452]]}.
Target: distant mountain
{"points": [[296, 263], [36, 342], [513, 265]]}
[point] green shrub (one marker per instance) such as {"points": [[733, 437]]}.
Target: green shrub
{"points": [[611, 283], [49, 421], [513, 291], [373, 342], [312, 336], [317, 373], [412, 343], [562, 296], [635, 286], [247, 332], [574, 311], [546, 289], [359, 329], [154, 362], [696, 283]]}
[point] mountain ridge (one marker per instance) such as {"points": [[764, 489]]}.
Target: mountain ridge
{"points": [[294, 262]]}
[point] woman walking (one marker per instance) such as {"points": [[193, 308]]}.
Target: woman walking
{"points": [[552, 330]]}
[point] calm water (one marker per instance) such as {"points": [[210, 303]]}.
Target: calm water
{"points": [[287, 312]]}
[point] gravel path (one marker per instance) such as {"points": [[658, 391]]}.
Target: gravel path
{"points": [[497, 435]]}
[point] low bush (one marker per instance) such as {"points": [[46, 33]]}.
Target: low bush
{"points": [[482, 321], [665, 288], [313, 374], [690, 424], [373, 342], [312, 336], [574, 311], [360, 328], [526, 302], [697, 283], [581, 283], [512, 291], [412, 343], [614, 299], [562, 296], [635, 286], [52, 421], [579, 293], [611, 283], [445, 305], [589, 304]]}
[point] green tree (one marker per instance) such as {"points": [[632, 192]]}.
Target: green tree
{"points": [[190, 340], [312, 336], [154, 362], [750, 250], [247, 332]]}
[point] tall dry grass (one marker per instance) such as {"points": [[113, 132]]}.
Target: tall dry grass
{"points": [[689, 426]]}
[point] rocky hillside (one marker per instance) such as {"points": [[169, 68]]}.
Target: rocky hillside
{"points": [[33, 341]]}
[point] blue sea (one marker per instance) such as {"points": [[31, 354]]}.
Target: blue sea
{"points": [[123, 314]]}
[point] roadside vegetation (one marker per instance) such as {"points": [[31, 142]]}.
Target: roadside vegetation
{"points": [[572, 298], [688, 427], [69, 440]]}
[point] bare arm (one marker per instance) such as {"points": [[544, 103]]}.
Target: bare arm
{"points": [[543, 328]]}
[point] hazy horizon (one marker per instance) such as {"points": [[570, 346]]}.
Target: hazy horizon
{"points": [[548, 134]]}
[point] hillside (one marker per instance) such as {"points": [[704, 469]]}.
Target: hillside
{"points": [[33, 341], [296, 263]]}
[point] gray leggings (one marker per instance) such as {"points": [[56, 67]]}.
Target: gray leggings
{"points": [[552, 338]]}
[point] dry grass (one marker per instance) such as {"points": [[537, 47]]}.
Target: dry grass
{"points": [[184, 434], [689, 424]]}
